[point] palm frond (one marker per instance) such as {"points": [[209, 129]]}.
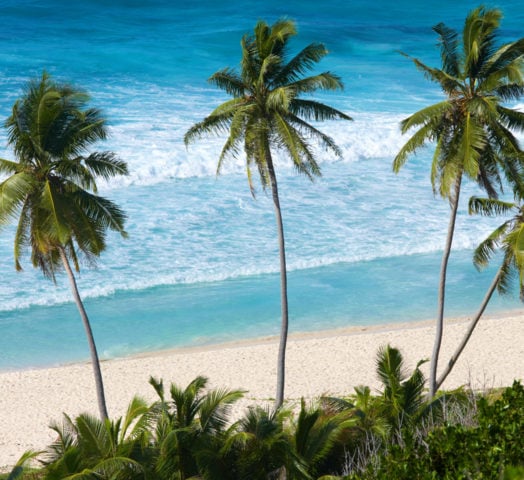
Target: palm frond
{"points": [[325, 81], [508, 55], [22, 234], [418, 139], [301, 63], [311, 132], [158, 385], [448, 49], [471, 146], [216, 408], [249, 62], [13, 191], [268, 65], [296, 147], [106, 165], [75, 132], [56, 227], [216, 123], [487, 248], [478, 37], [315, 435], [513, 119], [116, 467], [489, 206], [136, 410], [237, 127], [431, 115], [389, 367], [412, 392], [100, 211], [229, 81], [448, 83], [280, 99], [74, 171], [506, 274], [92, 435], [19, 468], [313, 110], [8, 167]]}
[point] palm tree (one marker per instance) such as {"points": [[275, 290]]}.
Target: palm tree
{"points": [[48, 187], [87, 447], [266, 116], [471, 129], [189, 425], [402, 400], [509, 238], [318, 437], [261, 449]]}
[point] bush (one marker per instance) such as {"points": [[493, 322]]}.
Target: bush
{"points": [[494, 449]]}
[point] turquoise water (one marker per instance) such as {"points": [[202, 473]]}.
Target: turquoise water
{"points": [[201, 263]]}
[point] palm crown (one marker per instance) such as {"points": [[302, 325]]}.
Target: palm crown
{"points": [[508, 237], [50, 130], [471, 128], [266, 109]]}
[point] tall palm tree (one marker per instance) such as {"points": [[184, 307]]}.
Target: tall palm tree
{"points": [[267, 116], [49, 187], [471, 128], [508, 238]]}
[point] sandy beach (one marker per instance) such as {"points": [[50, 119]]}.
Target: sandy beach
{"points": [[322, 362]]}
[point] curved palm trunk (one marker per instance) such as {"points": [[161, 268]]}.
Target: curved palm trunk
{"points": [[90, 339], [469, 331], [281, 365], [454, 201]]}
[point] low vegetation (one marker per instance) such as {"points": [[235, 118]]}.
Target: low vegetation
{"points": [[397, 433]]}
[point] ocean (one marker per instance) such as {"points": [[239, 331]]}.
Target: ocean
{"points": [[200, 265]]}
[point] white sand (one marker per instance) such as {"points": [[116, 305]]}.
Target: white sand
{"points": [[326, 362]]}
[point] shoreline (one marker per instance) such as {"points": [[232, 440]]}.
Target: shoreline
{"points": [[323, 362], [268, 339]]}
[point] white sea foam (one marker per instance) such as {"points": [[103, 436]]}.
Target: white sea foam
{"points": [[187, 228]]}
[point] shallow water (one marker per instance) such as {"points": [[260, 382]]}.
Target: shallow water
{"points": [[201, 261]]}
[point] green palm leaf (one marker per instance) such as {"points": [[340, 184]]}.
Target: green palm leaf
{"points": [[13, 191], [449, 44], [301, 63]]}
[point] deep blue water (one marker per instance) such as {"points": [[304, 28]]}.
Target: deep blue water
{"points": [[201, 261]]}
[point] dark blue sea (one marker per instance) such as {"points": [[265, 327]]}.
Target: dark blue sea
{"points": [[200, 265]]}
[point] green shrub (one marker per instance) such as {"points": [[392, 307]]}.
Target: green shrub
{"points": [[494, 449]]}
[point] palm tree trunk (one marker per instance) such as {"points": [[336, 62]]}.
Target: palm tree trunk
{"points": [[469, 332], [90, 339], [281, 364], [454, 201]]}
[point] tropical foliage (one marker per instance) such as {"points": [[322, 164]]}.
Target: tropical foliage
{"points": [[267, 116], [191, 433], [397, 432], [471, 129], [491, 447]]}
